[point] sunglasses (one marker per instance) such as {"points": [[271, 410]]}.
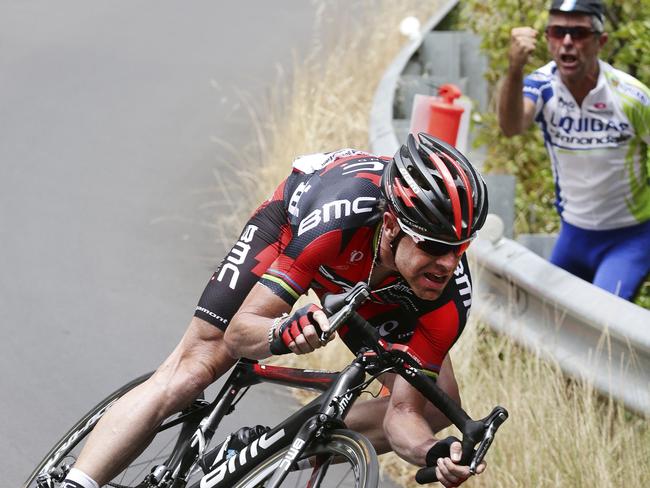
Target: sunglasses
{"points": [[435, 248], [577, 33]]}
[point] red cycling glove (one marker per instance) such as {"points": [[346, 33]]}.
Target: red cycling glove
{"points": [[292, 327]]}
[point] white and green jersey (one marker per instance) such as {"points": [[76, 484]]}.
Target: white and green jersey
{"points": [[599, 150]]}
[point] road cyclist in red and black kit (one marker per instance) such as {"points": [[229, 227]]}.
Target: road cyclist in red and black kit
{"points": [[400, 224]]}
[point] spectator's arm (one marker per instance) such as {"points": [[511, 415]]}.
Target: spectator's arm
{"points": [[516, 113]]}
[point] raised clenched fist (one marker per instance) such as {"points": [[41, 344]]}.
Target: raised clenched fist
{"points": [[522, 42]]}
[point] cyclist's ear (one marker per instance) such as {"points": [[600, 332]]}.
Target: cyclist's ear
{"points": [[391, 227]]}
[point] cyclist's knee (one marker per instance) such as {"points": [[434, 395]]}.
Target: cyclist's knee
{"points": [[199, 359], [206, 352]]}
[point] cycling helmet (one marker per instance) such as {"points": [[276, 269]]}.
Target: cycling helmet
{"points": [[434, 191]]}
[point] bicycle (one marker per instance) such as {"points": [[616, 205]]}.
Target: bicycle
{"points": [[310, 448]]}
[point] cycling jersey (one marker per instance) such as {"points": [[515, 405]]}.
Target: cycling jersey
{"points": [[320, 230], [599, 149]]}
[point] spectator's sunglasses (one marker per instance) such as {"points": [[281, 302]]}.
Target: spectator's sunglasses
{"points": [[435, 247], [577, 33]]}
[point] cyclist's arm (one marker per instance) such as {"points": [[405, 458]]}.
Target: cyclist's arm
{"points": [[248, 333], [410, 434], [406, 425]]}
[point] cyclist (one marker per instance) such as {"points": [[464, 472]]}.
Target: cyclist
{"points": [[595, 121], [401, 224]]}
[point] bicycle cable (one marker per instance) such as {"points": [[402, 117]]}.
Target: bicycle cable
{"points": [[366, 383]]}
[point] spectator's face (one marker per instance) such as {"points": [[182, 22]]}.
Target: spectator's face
{"points": [[576, 56]]}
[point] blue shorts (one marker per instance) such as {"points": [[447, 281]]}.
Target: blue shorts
{"points": [[616, 260]]}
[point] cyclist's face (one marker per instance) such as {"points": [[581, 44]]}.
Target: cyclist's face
{"points": [[427, 275], [576, 56]]}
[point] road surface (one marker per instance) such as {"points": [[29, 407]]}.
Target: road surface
{"points": [[110, 173]]}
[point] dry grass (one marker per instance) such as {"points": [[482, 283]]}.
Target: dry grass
{"points": [[560, 433]]}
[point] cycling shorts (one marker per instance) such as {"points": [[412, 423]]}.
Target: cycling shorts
{"points": [[616, 260]]}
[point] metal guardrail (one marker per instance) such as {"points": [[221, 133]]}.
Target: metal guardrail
{"points": [[591, 334]]}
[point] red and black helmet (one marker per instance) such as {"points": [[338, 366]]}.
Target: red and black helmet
{"points": [[435, 192]]}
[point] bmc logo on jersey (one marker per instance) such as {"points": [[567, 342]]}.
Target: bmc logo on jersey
{"points": [[237, 256], [336, 210], [463, 284]]}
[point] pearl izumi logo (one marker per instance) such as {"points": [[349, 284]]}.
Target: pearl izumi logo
{"points": [[356, 256], [387, 327]]}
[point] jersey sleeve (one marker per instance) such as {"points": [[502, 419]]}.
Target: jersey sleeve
{"points": [[635, 97], [329, 199], [537, 88], [289, 277], [436, 333]]}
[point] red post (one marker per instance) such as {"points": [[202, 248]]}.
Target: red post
{"points": [[438, 115]]}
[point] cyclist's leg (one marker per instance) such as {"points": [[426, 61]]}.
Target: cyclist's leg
{"points": [[626, 262], [127, 427], [199, 359]]}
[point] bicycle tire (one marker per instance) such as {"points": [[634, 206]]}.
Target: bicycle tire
{"points": [[352, 448], [65, 451]]}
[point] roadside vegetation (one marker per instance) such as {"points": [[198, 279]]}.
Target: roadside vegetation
{"points": [[560, 431]]}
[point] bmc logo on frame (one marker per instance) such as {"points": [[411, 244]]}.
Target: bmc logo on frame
{"points": [[257, 447]]}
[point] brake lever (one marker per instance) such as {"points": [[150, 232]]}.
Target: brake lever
{"points": [[355, 297], [492, 422]]}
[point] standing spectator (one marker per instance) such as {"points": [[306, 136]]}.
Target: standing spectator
{"points": [[596, 125]]}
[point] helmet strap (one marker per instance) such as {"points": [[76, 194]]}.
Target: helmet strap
{"points": [[376, 260]]}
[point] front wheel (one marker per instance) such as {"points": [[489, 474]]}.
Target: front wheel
{"points": [[345, 459]]}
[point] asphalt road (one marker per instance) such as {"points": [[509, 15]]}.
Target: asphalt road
{"points": [[111, 117]]}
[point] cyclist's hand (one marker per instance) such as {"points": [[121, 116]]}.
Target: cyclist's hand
{"points": [[300, 333], [448, 470], [522, 42]]}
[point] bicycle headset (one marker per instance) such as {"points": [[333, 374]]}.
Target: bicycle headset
{"points": [[434, 192]]}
